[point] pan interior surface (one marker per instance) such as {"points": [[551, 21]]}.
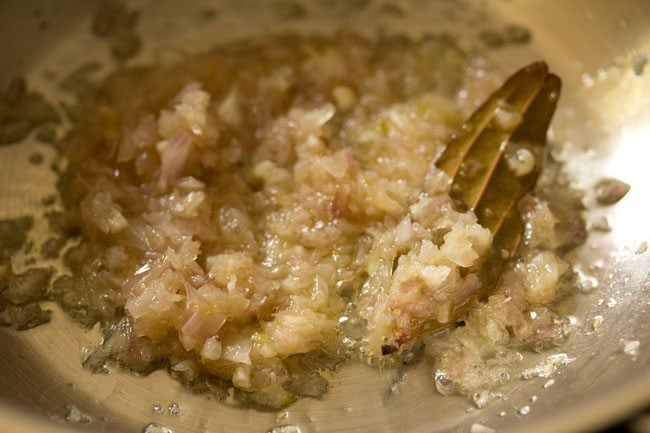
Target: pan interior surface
{"points": [[602, 129]]}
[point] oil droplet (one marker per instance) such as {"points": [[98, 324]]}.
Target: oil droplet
{"points": [[533, 399], [444, 385], [175, 409], [524, 410], [506, 117]]}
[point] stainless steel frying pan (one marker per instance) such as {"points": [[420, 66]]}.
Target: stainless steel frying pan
{"points": [[598, 47]]}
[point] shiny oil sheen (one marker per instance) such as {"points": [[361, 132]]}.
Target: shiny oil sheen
{"points": [[602, 128]]}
